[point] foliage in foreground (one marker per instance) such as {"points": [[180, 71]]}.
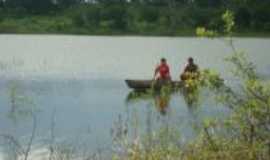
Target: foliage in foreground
{"points": [[245, 134]]}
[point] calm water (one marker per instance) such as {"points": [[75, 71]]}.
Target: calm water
{"points": [[77, 84]]}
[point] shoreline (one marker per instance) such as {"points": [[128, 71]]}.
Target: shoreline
{"points": [[236, 35]]}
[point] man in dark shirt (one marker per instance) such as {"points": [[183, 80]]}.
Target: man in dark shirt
{"points": [[191, 66], [191, 70]]}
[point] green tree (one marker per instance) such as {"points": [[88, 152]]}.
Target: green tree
{"points": [[67, 3], [116, 16], [35, 6]]}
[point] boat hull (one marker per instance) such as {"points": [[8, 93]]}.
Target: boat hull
{"points": [[141, 85]]}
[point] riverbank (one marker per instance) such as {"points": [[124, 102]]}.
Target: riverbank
{"points": [[66, 25]]}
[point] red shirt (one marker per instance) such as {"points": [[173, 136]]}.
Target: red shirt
{"points": [[164, 71]]}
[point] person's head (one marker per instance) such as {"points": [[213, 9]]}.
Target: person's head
{"points": [[163, 60], [190, 60]]}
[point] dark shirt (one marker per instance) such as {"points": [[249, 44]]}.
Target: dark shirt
{"points": [[191, 68]]}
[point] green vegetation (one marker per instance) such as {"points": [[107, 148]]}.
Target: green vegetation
{"points": [[243, 135], [134, 17]]}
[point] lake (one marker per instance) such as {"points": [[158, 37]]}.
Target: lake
{"points": [[76, 86]]}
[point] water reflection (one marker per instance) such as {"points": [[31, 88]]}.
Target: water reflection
{"points": [[191, 97], [162, 103], [162, 99]]}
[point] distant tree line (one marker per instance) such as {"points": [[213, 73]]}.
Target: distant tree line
{"points": [[143, 16]]}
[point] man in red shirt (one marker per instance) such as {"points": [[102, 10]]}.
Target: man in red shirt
{"points": [[162, 70]]}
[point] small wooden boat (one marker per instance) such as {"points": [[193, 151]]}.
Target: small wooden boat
{"points": [[141, 85]]}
